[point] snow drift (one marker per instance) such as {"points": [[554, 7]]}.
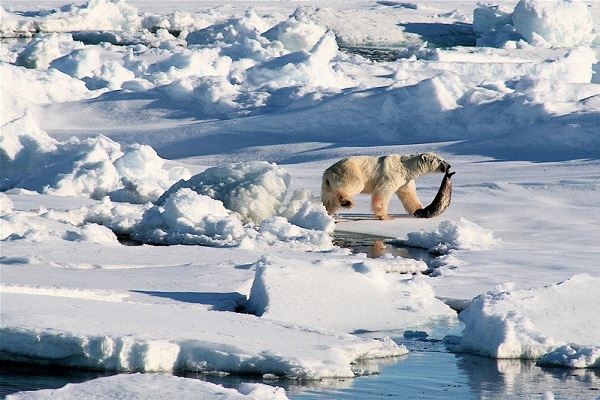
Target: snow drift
{"points": [[509, 323], [153, 386], [555, 23], [254, 190], [94, 167], [451, 235]]}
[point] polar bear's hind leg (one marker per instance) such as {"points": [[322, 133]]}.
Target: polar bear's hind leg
{"points": [[380, 201]]}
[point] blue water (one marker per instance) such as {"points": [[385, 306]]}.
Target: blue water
{"points": [[15, 377]]}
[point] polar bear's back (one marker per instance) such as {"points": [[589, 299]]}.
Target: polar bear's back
{"points": [[364, 170], [352, 169]]}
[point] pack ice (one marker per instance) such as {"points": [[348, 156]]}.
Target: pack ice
{"points": [[200, 136]]}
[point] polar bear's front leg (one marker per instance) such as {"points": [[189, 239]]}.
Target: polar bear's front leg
{"points": [[379, 203], [408, 196]]}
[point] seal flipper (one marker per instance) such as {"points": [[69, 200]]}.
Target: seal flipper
{"points": [[441, 201]]}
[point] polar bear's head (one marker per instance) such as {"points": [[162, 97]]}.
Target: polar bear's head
{"points": [[431, 162]]}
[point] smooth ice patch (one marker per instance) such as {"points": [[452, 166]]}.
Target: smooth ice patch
{"points": [[345, 295]]}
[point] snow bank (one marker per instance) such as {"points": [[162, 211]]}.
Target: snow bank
{"points": [[557, 23], [42, 49], [121, 218], [307, 68], [451, 235], [93, 15], [254, 190], [153, 386], [250, 26], [94, 167], [85, 333], [187, 217], [530, 324], [346, 296], [22, 88], [79, 63], [307, 211], [46, 225], [106, 20], [296, 33]]}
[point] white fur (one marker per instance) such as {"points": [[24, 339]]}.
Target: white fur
{"points": [[379, 176]]}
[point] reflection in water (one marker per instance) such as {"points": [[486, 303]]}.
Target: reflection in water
{"points": [[16, 377], [376, 246], [515, 379], [378, 249]]}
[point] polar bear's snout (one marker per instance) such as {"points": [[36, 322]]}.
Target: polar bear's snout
{"points": [[345, 202], [444, 166]]}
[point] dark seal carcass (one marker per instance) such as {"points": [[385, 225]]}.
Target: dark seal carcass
{"points": [[441, 201]]}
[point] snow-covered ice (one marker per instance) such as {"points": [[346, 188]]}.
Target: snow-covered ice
{"points": [[449, 235], [198, 134], [559, 23], [100, 333], [149, 386], [529, 323], [555, 23], [359, 295], [94, 167]]}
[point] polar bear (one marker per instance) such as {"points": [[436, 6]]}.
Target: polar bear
{"points": [[381, 177]]}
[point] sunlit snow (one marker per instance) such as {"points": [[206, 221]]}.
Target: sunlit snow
{"points": [[197, 135]]}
